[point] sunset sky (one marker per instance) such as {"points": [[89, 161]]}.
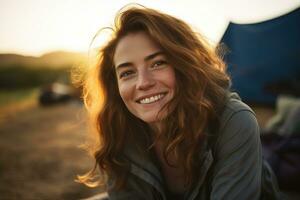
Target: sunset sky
{"points": [[34, 27]]}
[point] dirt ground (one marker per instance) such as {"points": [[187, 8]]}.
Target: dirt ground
{"points": [[39, 153]]}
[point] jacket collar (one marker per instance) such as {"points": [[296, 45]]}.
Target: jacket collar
{"points": [[207, 163], [142, 166]]}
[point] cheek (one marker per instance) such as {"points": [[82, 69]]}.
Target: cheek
{"points": [[170, 78], [125, 92]]}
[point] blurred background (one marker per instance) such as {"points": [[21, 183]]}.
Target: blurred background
{"points": [[42, 119]]}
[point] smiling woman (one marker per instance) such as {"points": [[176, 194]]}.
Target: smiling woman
{"points": [[146, 80], [167, 126]]}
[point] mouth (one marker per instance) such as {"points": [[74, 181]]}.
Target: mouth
{"points": [[151, 99]]}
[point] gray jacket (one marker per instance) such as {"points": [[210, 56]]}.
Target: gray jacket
{"points": [[233, 167]]}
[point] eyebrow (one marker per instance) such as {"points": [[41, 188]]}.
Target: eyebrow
{"points": [[147, 58]]}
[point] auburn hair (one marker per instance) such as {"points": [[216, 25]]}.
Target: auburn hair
{"points": [[201, 87]]}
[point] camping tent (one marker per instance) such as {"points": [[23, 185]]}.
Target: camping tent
{"points": [[264, 58]]}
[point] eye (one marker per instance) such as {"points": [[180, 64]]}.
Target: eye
{"points": [[159, 63], [126, 74]]}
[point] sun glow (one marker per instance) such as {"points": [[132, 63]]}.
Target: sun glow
{"points": [[34, 27]]}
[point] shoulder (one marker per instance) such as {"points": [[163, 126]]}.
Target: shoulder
{"points": [[238, 124], [236, 111], [237, 154]]}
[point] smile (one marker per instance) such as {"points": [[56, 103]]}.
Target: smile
{"points": [[151, 99]]}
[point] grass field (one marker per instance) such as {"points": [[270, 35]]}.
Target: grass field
{"points": [[14, 96]]}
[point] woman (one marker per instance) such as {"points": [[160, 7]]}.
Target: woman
{"points": [[166, 124]]}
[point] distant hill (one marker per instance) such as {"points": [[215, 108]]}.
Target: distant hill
{"points": [[55, 59]]}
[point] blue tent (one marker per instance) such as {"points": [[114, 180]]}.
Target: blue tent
{"points": [[264, 56]]}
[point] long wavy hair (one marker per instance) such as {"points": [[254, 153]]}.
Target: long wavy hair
{"points": [[201, 87]]}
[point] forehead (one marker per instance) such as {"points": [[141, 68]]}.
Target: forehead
{"points": [[134, 46]]}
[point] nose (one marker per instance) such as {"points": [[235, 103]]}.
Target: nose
{"points": [[145, 80]]}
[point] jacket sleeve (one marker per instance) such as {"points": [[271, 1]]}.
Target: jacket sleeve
{"points": [[238, 159]]}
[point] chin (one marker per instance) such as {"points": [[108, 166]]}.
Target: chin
{"points": [[150, 119]]}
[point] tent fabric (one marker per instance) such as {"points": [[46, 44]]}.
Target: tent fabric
{"points": [[263, 55]]}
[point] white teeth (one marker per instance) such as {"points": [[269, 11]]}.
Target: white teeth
{"points": [[151, 99]]}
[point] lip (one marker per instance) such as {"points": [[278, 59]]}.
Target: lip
{"points": [[149, 95]]}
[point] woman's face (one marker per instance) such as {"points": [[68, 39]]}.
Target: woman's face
{"points": [[146, 80]]}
